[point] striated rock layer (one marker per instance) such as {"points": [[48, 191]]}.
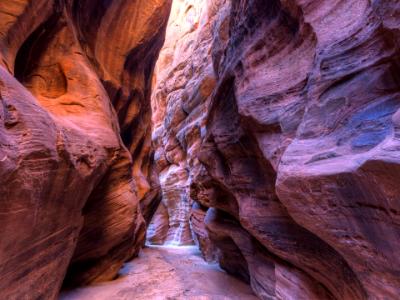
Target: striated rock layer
{"points": [[284, 116], [184, 80], [75, 139]]}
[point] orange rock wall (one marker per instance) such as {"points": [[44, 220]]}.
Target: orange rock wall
{"points": [[75, 133]]}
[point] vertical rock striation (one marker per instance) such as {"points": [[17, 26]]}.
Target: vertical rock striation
{"points": [[184, 81], [283, 117], [75, 136]]}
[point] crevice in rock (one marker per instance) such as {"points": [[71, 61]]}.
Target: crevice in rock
{"points": [[47, 79], [199, 148]]}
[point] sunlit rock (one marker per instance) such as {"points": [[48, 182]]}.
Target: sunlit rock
{"points": [[75, 137], [184, 80]]}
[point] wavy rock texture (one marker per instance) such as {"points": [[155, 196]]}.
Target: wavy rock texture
{"points": [[184, 81], [72, 73], [295, 122]]}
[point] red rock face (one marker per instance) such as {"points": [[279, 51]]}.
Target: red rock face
{"points": [[296, 166], [74, 139], [276, 138]]}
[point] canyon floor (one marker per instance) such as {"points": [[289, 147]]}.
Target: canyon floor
{"points": [[163, 272]]}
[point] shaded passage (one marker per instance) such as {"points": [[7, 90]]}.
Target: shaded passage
{"points": [[167, 273]]}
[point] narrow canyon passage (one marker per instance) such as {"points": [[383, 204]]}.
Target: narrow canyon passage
{"points": [[199, 149], [179, 261], [162, 273]]}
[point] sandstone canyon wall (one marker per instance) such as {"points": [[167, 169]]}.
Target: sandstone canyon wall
{"points": [[282, 117], [183, 72], [76, 178]]}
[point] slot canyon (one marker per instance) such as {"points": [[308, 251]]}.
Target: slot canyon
{"points": [[199, 149]]}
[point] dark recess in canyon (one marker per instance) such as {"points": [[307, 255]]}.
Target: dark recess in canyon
{"points": [[265, 132]]}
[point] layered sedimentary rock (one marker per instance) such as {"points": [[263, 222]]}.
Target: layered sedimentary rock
{"points": [[74, 139], [293, 151], [184, 80]]}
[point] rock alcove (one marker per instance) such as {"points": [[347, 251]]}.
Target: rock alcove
{"points": [[263, 133]]}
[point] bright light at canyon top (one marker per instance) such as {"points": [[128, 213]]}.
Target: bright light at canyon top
{"points": [[184, 19], [171, 225]]}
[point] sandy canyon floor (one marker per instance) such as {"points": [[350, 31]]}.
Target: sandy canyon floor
{"points": [[166, 273]]}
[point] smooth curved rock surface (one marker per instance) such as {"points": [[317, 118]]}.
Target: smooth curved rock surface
{"points": [[295, 166], [75, 137]]}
